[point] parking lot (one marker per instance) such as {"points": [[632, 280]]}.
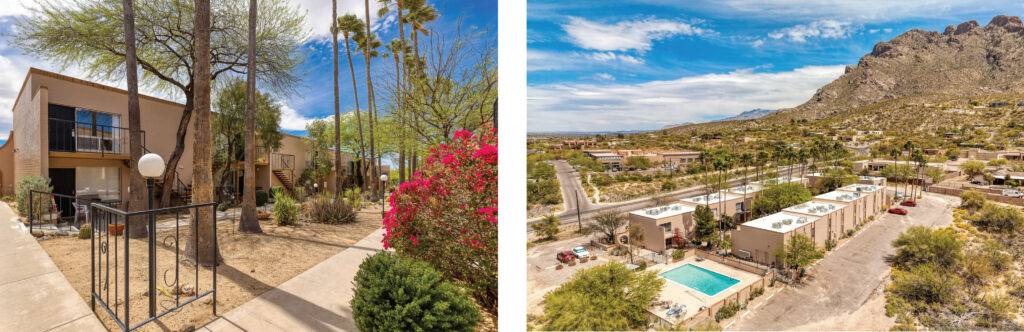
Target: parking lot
{"points": [[541, 275]]}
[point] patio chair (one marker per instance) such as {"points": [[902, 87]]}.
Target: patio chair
{"points": [[80, 209]]}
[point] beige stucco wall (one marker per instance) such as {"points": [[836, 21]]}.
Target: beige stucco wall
{"points": [[727, 208], [761, 242], [655, 236]]}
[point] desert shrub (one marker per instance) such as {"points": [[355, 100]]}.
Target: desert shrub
{"points": [[325, 209], [927, 283], [998, 218], [394, 293], [668, 185], [261, 197], [641, 266], [85, 231], [777, 197], [354, 197], [7, 198], [602, 298], [920, 245], [286, 212], [223, 207], [23, 189], [972, 200], [708, 326], [999, 307], [543, 191], [299, 193], [727, 311], [447, 213], [548, 227], [849, 233]]}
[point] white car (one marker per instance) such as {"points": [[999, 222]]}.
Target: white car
{"points": [[581, 252], [1012, 193]]}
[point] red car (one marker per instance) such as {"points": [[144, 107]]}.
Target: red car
{"points": [[909, 203], [565, 256], [898, 211]]}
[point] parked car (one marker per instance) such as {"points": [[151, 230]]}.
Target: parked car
{"points": [[1013, 193], [909, 203], [976, 182], [898, 211], [565, 256], [581, 252]]}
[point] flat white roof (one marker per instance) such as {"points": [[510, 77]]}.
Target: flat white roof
{"points": [[664, 211], [842, 196], [750, 188], [862, 188], [865, 177], [711, 199], [778, 180], [815, 174], [781, 222], [817, 208]]}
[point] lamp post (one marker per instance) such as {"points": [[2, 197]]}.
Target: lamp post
{"points": [[151, 166], [383, 183], [314, 187]]}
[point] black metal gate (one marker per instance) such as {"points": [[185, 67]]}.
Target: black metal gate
{"points": [[111, 264]]}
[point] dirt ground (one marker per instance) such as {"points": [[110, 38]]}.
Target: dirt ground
{"points": [[253, 264]]}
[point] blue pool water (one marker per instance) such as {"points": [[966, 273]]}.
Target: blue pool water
{"points": [[700, 279]]}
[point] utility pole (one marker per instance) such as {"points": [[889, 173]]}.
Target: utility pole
{"points": [[579, 221]]}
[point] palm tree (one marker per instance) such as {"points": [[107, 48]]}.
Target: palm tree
{"points": [[250, 223], [201, 237], [368, 46], [138, 228], [894, 152], [349, 25], [419, 14], [909, 146], [704, 158], [746, 160], [921, 163], [762, 163], [337, 101], [399, 57]]}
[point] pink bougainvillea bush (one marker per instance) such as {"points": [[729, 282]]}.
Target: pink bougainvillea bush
{"points": [[447, 213]]}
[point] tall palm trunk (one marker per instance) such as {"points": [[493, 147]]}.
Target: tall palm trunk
{"points": [[138, 226], [400, 58], [359, 119], [201, 230], [369, 93], [250, 222], [337, 102]]}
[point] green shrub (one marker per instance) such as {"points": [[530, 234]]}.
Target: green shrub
{"points": [[261, 198], [223, 207], [354, 197], [286, 212], [727, 311], [7, 198], [299, 193], [606, 297], [927, 283], [393, 293], [641, 266], [23, 188], [275, 191], [668, 185], [85, 231], [678, 254], [548, 227], [543, 191], [325, 209]]}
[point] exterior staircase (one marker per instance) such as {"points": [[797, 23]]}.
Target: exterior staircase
{"points": [[286, 178]]}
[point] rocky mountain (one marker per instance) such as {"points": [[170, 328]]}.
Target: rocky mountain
{"points": [[756, 113], [916, 67], [676, 125]]}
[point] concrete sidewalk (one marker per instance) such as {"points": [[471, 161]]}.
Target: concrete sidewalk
{"points": [[316, 300], [34, 295]]}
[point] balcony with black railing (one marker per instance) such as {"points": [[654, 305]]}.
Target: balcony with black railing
{"points": [[85, 137], [282, 161]]}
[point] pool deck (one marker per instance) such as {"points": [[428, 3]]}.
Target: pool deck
{"points": [[693, 299]]}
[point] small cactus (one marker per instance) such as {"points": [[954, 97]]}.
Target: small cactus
{"points": [[85, 232]]}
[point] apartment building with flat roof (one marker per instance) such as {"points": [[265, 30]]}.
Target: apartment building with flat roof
{"points": [[781, 180], [875, 199], [662, 223], [872, 180], [75, 133], [756, 239], [721, 203], [829, 223], [617, 158]]}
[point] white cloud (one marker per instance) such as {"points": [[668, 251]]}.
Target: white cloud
{"points": [[292, 120], [636, 35], [757, 43], [539, 60], [649, 105], [612, 56], [824, 29], [862, 11], [318, 17], [605, 76]]}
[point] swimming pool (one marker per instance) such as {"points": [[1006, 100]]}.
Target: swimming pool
{"points": [[699, 279]]}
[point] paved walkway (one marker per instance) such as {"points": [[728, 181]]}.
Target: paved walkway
{"points": [[316, 300], [34, 295]]}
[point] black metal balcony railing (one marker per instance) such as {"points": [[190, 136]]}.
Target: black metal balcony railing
{"points": [[72, 136]]}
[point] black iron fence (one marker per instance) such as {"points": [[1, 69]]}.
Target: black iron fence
{"points": [[111, 263], [61, 212]]}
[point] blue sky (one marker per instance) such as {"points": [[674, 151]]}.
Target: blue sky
{"points": [[314, 100], [626, 65]]}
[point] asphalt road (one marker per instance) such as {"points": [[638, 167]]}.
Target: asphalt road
{"points": [[842, 283], [570, 181]]}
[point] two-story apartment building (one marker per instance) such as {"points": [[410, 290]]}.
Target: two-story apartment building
{"points": [[75, 132], [661, 224]]}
